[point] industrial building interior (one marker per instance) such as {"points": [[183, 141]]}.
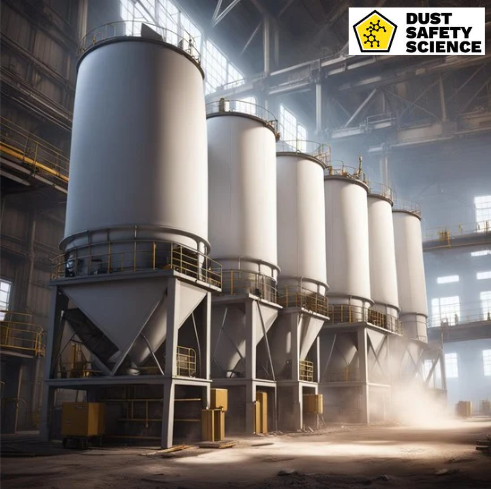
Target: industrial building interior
{"points": [[228, 245]]}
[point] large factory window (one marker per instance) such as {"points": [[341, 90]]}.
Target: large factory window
{"points": [[447, 279], [247, 105], [486, 359], [483, 275], [483, 212], [486, 304], [451, 365], [291, 130], [164, 13], [445, 311], [481, 253], [5, 288]]}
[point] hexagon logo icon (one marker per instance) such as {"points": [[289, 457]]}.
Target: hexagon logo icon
{"points": [[375, 33]]}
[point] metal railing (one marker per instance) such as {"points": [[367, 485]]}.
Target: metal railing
{"points": [[346, 313], [306, 370], [156, 255], [186, 361], [407, 206], [223, 106], [376, 188], [472, 312], [18, 333], [347, 374], [321, 152], [135, 28], [236, 282], [298, 296], [347, 172], [32, 151], [446, 233]]}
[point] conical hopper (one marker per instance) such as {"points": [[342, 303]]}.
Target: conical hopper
{"points": [[124, 310], [229, 342], [304, 326]]}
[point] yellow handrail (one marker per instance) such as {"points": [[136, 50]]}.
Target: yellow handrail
{"points": [[298, 296], [16, 142], [21, 335], [156, 255], [236, 282], [306, 368]]}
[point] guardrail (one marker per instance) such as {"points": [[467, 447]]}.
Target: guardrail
{"points": [[298, 296], [224, 106], [306, 370], [236, 282], [186, 361], [33, 152], [19, 334], [135, 28], [155, 255], [321, 152], [376, 188], [470, 313], [347, 172], [347, 374], [407, 206], [346, 313], [446, 233]]}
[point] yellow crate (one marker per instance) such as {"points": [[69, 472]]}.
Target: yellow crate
{"points": [[212, 424], [313, 404], [261, 412], [219, 399], [83, 419]]}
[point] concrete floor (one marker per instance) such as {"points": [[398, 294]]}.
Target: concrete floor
{"points": [[337, 458]]}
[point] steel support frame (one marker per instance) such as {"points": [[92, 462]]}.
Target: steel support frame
{"points": [[253, 316], [169, 380]]}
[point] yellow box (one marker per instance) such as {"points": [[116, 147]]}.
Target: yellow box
{"points": [[313, 404], [83, 419], [261, 412], [219, 399], [212, 424]]}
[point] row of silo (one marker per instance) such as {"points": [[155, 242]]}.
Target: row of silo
{"points": [[282, 223]]}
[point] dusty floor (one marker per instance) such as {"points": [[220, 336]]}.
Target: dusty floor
{"points": [[338, 458]]}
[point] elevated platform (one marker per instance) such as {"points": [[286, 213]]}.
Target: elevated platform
{"points": [[476, 330]]}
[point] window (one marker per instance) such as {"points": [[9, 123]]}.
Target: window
{"points": [[291, 130], [177, 24], [448, 279], [451, 366], [481, 253], [445, 311], [246, 105], [486, 304], [4, 297], [486, 359], [483, 212], [483, 275], [427, 368]]}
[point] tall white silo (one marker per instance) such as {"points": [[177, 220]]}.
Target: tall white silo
{"points": [[410, 270], [135, 265], [302, 283], [301, 247], [242, 227], [347, 243], [383, 272], [242, 209]]}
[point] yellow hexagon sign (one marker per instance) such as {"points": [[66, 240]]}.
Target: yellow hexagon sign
{"points": [[375, 32]]}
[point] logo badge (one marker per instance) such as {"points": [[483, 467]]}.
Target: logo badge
{"points": [[375, 33]]}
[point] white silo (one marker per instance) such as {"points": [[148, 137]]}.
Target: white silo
{"points": [[242, 226], [135, 265], [302, 283], [410, 270], [301, 244], [347, 247], [383, 273]]}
